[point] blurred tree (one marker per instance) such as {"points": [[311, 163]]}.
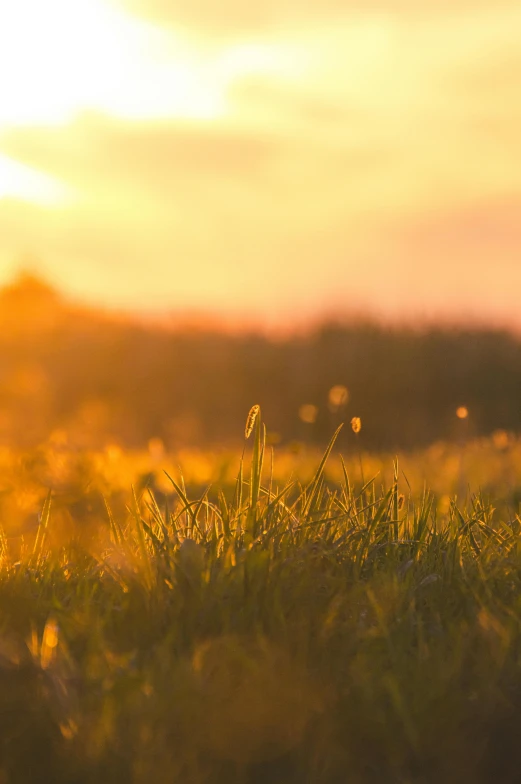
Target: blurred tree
{"points": [[104, 378]]}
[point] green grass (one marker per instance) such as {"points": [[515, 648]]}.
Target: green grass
{"points": [[264, 632]]}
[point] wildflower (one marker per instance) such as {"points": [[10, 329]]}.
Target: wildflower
{"points": [[356, 424]]}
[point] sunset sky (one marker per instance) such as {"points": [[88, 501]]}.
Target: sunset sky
{"points": [[272, 161]]}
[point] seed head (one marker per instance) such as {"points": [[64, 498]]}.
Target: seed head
{"points": [[356, 424], [250, 420]]}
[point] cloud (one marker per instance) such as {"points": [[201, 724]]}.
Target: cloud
{"points": [[488, 89], [387, 173], [463, 261], [194, 207], [485, 233], [259, 181], [211, 216], [231, 18], [97, 149]]}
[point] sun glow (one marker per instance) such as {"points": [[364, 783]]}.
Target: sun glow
{"points": [[25, 183], [61, 58], [336, 142]]}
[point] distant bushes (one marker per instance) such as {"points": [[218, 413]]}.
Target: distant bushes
{"points": [[100, 378]]}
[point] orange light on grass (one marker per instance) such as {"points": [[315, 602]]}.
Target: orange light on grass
{"points": [[338, 397], [308, 413]]}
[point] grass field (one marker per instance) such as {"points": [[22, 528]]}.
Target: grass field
{"points": [[289, 623]]}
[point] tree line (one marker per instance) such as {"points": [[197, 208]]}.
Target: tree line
{"points": [[100, 378]]}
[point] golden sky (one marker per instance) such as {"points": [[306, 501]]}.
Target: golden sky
{"points": [[275, 160]]}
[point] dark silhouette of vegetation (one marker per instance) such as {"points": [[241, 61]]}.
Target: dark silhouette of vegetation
{"points": [[102, 377]]}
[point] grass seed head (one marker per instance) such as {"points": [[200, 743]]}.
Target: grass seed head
{"points": [[356, 424], [250, 420]]}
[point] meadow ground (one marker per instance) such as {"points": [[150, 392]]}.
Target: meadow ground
{"points": [[289, 623]]}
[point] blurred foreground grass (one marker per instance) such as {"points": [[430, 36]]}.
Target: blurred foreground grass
{"points": [[284, 625]]}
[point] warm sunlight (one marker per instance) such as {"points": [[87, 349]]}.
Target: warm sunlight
{"points": [[24, 183], [90, 56], [308, 210], [63, 57], [327, 142]]}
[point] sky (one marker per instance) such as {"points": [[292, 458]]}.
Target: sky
{"points": [[268, 162]]}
